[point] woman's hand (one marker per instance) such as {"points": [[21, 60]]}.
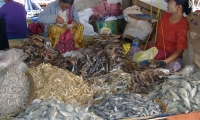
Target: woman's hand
{"points": [[74, 23], [60, 20]]}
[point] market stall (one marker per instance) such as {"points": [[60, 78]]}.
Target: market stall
{"points": [[101, 80]]}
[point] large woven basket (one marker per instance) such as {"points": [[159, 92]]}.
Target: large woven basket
{"points": [[31, 96]]}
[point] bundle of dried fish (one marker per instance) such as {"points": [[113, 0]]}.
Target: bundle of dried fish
{"points": [[180, 95], [14, 90], [55, 110], [52, 82], [118, 106]]}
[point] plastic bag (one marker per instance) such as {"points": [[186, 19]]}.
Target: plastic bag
{"points": [[12, 56], [187, 71], [140, 28], [105, 30], [145, 55]]}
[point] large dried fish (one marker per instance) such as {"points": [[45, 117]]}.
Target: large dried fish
{"points": [[180, 95], [55, 110]]}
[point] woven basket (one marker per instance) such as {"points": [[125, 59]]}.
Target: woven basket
{"points": [[31, 96]]}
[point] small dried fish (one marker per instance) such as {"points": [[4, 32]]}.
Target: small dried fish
{"points": [[14, 90], [119, 106], [52, 82]]}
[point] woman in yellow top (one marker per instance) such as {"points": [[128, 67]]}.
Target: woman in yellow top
{"points": [[62, 12]]}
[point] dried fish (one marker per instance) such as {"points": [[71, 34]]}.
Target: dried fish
{"points": [[50, 109], [119, 106], [180, 95], [52, 82], [14, 90]]}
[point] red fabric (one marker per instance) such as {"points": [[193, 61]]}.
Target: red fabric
{"points": [[174, 35], [35, 28], [66, 41]]}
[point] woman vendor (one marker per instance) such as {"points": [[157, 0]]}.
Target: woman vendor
{"points": [[171, 39], [62, 13]]}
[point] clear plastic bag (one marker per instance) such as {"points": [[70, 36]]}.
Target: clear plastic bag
{"points": [[12, 57], [187, 71]]}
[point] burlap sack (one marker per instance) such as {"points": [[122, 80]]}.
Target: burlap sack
{"points": [[194, 35]]}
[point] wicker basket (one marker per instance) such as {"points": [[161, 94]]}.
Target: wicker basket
{"points": [[31, 96]]}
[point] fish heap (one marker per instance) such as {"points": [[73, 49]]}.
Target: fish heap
{"points": [[119, 106], [14, 90], [117, 81], [145, 79], [62, 85], [99, 58], [180, 95], [40, 51], [55, 110]]}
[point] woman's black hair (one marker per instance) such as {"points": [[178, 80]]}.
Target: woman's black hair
{"points": [[185, 6], [67, 1]]}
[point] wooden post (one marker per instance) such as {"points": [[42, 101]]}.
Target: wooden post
{"points": [[126, 3]]}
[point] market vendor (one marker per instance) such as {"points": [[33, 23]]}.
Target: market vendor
{"points": [[15, 16], [171, 39], [62, 13]]}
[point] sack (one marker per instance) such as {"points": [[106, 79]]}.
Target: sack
{"points": [[140, 28], [193, 35], [12, 57], [145, 55]]}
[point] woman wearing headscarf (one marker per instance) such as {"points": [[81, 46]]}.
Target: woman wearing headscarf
{"points": [[62, 12]]}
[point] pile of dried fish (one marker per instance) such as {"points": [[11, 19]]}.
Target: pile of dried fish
{"points": [[180, 95], [52, 82], [100, 58], [40, 51], [55, 110], [118, 106], [117, 81], [14, 90]]}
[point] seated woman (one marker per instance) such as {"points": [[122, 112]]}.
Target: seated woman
{"points": [[62, 12], [171, 39], [15, 16]]}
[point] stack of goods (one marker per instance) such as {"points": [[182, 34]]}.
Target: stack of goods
{"points": [[55, 110], [119, 106], [180, 95], [14, 90], [52, 82]]}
